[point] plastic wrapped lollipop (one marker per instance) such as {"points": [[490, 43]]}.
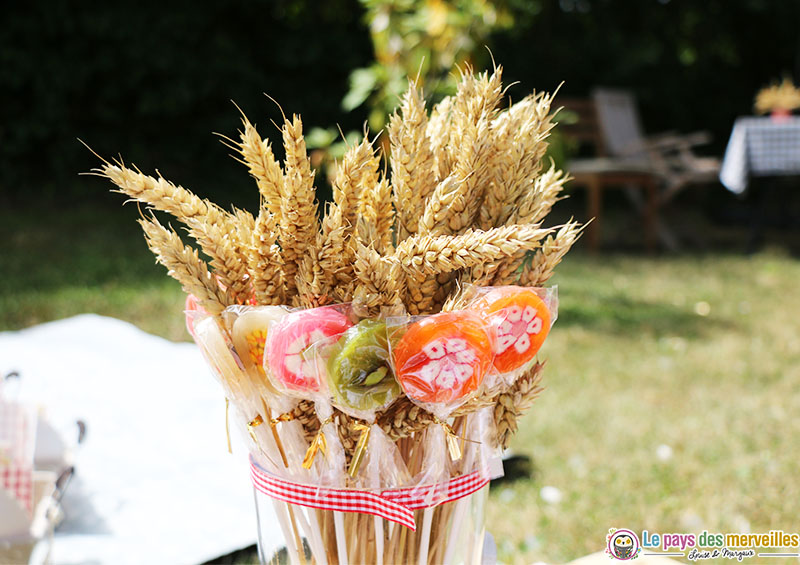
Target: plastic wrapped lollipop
{"points": [[441, 362], [290, 356], [442, 359], [292, 363], [359, 376], [191, 309], [217, 348], [521, 319], [361, 383], [249, 328]]}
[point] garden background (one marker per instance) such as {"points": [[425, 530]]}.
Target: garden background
{"points": [[671, 380]]}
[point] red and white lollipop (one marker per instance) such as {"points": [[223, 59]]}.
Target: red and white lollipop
{"points": [[521, 320], [290, 347]]}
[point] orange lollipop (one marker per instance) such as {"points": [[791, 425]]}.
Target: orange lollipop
{"points": [[444, 357], [521, 320]]}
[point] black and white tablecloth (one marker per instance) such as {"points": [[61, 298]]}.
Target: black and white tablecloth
{"points": [[760, 147]]}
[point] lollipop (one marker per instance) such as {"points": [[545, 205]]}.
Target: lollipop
{"points": [[522, 321], [358, 370], [289, 347], [443, 358], [250, 335]]}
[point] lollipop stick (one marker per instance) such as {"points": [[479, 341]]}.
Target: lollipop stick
{"points": [[461, 505], [301, 552], [316, 534], [341, 543], [283, 521], [426, 536], [310, 532], [275, 435], [378, 540]]}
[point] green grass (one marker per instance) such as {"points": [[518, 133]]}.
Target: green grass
{"points": [[86, 258], [699, 353]]}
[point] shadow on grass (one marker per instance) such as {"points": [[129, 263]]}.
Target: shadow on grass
{"points": [[622, 315]]}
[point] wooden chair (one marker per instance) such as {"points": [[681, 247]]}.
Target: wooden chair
{"points": [[651, 169]]}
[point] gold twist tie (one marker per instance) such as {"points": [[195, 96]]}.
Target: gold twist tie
{"points": [[251, 429], [318, 444], [285, 417], [453, 445], [361, 448]]}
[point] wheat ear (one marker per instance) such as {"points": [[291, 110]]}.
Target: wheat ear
{"points": [[184, 265], [541, 266], [215, 230], [260, 160], [297, 222], [412, 161]]}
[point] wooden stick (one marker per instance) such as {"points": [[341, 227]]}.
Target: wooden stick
{"points": [[283, 519], [401, 546], [341, 542], [297, 539], [425, 538], [378, 525], [312, 533]]}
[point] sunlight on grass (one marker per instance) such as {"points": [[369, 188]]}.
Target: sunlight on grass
{"points": [[700, 355]]}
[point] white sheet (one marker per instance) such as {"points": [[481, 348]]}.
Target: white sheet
{"points": [[154, 481]]}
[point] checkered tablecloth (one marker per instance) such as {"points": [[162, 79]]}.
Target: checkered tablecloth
{"points": [[760, 147], [17, 436]]}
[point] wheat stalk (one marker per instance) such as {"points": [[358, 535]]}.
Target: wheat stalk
{"points": [[412, 161], [297, 220], [379, 281], [420, 256], [376, 217], [215, 230], [519, 136], [265, 261], [258, 156], [540, 269], [184, 265], [510, 405]]}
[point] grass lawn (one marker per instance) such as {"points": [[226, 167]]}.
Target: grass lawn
{"points": [[671, 394]]}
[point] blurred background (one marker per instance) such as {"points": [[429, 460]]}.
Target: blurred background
{"points": [[672, 375]]}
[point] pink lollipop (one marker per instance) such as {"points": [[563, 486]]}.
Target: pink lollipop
{"points": [[288, 342]]}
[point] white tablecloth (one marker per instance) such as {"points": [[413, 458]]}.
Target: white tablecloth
{"points": [[154, 481], [760, 147]]}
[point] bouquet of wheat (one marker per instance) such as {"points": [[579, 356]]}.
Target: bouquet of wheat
{"points": [[377, 355]]}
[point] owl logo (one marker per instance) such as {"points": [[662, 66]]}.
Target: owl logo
{"points": [[622, 545]]}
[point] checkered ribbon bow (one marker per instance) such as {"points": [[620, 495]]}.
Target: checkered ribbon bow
{"points": [[397, 505]]}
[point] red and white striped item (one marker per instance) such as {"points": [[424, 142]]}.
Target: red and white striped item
{"points": [[18, 480], [397, 505], [16, 451]]}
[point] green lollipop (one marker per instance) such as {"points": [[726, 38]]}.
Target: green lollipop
{"points": [[358, 368]]}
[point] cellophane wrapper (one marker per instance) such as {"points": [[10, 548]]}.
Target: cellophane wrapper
{"points": [[447, 529]]}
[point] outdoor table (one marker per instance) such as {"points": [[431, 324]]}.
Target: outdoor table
{"points": [[760, 147]]}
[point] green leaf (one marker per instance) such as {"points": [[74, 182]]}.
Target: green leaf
{"points": [[362, 83]]}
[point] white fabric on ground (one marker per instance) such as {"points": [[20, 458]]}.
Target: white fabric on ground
{"points": [[154, 481]]}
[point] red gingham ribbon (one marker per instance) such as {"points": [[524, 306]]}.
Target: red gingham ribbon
{"points": [[397, 505]]}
